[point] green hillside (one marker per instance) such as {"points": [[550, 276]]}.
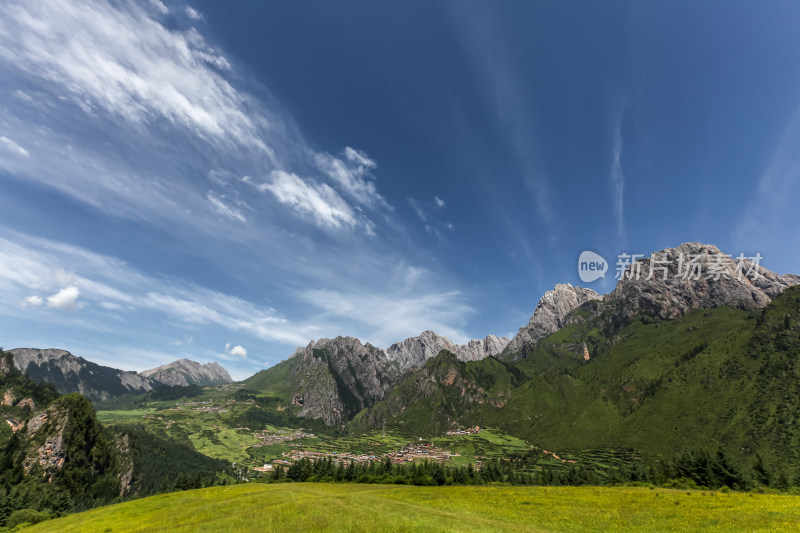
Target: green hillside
{"points": [[337, 507], [714, 378], [274, 381]]}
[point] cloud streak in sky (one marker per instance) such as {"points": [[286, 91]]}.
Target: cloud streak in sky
{"points": [[766, 221], [184, 109], [617, 180]]}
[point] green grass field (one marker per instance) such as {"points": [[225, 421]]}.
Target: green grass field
{"points": [[351, 507]]}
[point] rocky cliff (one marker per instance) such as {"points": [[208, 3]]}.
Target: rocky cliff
{"points": [[185, 372], [336, 378]]}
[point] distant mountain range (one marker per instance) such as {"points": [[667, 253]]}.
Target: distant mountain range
{"points": [[70, 373]]}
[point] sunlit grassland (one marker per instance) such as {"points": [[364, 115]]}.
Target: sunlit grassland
{"points": [[223, 443], [351, 507], [121, 416]]}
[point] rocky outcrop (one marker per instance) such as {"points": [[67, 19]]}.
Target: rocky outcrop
{"points": [[69, 373], [8, 398], [185, 372], [15, 425], [336, 378], [127, 466], [415, 351], [692, 276], [551, 314], [27, 403], [50, 454]]}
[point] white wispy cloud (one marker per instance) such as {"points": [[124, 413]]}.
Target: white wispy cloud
{"points": [[763, 224], [429, 214], [193, 13], [159, 6], [8, 144], [32, 301], [352, 174], [31, 264], [411, 304], [487, 45], [617, 179], [418, 209], [123, 70], [219, 205], [121, 60], [385, 319], [320, 201]]}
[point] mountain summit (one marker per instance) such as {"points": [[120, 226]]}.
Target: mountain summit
{"points": [[185, 372]]}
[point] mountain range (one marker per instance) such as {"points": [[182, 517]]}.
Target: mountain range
{"points": [[70, 373], [692, 347], [334, 379]]}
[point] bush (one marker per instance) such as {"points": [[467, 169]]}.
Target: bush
{"points": [[26, 516], [681, 483]]}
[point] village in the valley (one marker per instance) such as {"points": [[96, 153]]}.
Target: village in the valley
{"points": [[414, 451]]}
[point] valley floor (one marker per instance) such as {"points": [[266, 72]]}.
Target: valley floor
{"points": [[351, 507]]}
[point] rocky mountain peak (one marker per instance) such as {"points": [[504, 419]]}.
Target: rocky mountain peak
{"points": [[551, 312], [694, 275], [414, 351], [336, 378], [185, 372]]}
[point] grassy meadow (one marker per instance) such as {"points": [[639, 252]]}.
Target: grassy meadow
{"points": [[350, 507]]}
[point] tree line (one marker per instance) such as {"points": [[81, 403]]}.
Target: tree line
{"points": [[685, 470]]}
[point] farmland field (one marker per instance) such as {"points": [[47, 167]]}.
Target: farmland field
{"points": [[352, 507]]}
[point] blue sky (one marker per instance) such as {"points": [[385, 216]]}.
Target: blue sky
{"points": [[228, 180]]}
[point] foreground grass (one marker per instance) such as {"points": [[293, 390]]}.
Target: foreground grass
{"points": [[351, 507]]}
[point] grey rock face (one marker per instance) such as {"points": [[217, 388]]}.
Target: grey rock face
{"points": [[50, 456], [551, 313], [337, 378], [671, 293], [414, 351], [185, 372], [69, 373], [476, 350]]}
